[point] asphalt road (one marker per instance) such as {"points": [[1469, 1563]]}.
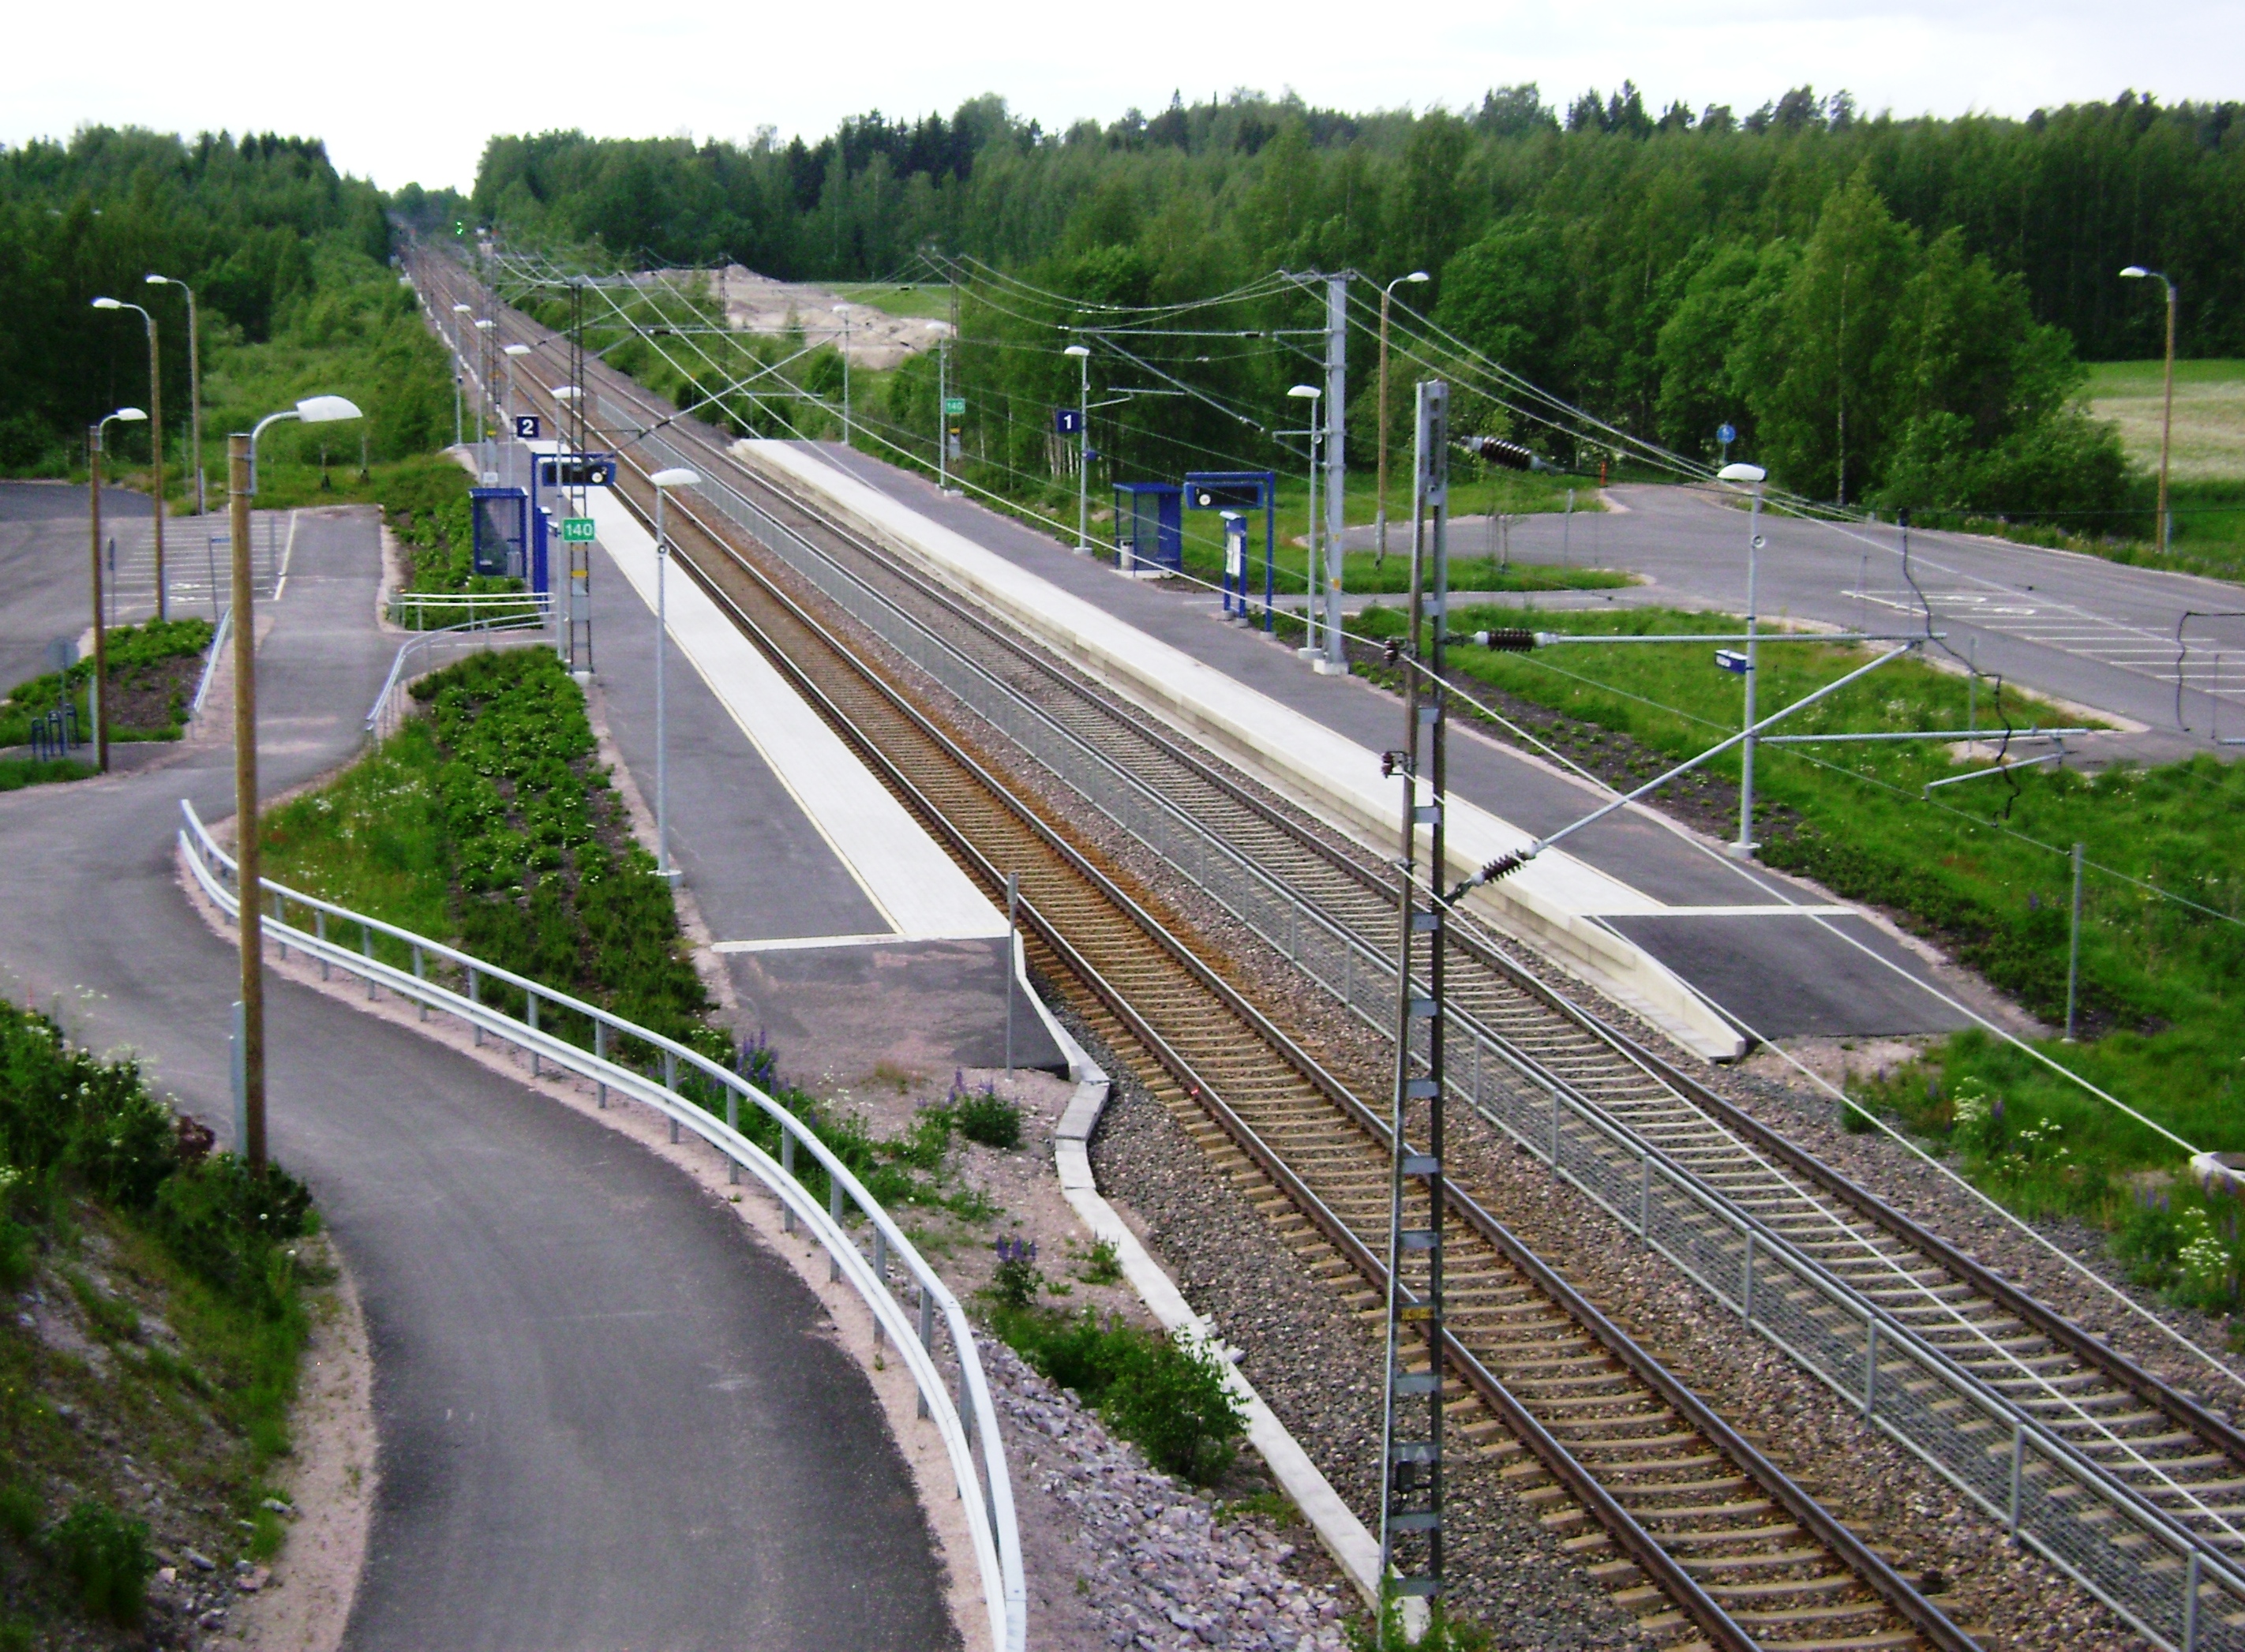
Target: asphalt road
{"points": [[2099, 633], [607, 1419], [46, 589]]}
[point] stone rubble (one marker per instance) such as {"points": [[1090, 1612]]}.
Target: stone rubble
{"points": [[1156, 1569]]}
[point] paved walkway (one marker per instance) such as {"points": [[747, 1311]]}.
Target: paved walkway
{"points": [[852, 938], [1724, 927], [607, 1417]]}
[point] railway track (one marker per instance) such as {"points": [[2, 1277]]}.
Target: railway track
{"points": [[2173, 1454], [1683, 1520], [2166, 1447]]}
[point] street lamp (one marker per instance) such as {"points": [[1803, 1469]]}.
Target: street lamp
{"points": [[194, 389], [2137, 273], [511, 352], [155, 433], [1379, 556], [122, 416], [1309, 650], [843, 310], [1751, 475], [678, 477], [1083, 448], [241, 487]]}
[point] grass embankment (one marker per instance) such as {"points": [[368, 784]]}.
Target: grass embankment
{"points": [[1981, 870], [146, 1379], [152, 670], [488, 823]]}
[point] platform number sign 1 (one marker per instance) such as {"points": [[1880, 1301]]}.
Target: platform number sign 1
{"points": [[1067, 421], [526, 427], [576, 530]]}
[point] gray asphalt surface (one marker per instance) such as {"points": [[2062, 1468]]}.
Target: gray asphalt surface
{"points": [[761, 870], [1778, 975], [46, 588], [607, 1419], [2097, 632]]}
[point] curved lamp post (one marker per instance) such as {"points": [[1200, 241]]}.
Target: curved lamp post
{"points": [[241, 487], [1387, 293], [194, 389], [122, 416], [1083, 448], [2137, 273], [1313, 395], [155, 432], [1751, 475], [843, 310], [677, 477]]}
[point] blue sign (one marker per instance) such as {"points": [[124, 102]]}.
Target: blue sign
{"points": [[1726, 436], [526, 427], [1067, 421], [1730, 660]]}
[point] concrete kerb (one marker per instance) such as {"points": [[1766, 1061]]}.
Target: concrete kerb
{"points": [[1346, 1538], [1607, 959]]}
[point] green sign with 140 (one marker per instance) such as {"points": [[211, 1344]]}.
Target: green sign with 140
{"points": [[576, 530]]}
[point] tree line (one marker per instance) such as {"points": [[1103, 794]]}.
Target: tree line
{"points": [[263, 227], [1888, 311]]}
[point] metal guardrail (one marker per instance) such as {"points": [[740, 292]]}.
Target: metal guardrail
{"points": [[389, 707], [405, 607], [210, 657], [2169, 1585], [968, 1424]]}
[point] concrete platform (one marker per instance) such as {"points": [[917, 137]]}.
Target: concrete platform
{"points": [[1607, 908], [852, 938]]}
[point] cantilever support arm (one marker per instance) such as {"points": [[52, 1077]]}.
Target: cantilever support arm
{"points": [[1505, 865]]}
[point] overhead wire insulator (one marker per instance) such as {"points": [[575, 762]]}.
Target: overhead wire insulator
{"points": [[1505, 641], [1512, 456], [1502, 866]]}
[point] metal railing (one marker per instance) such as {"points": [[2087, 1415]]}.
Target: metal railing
{"points": [[2173, 1587], [413, 609], [414, 659], [968, 1424], [211, 658]]}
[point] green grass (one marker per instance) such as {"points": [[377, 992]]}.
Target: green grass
{"points": [[928, 300], [152, 669], [183, 1270], [1986, 877], [1167, 1398]]}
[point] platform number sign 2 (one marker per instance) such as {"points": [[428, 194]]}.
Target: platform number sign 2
{"points": [[526, 427]]}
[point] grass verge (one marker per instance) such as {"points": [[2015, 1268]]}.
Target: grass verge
{"points": [[1983, 869], [152, 669], [146, 1379]]}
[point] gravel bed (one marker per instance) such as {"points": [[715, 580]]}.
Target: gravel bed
{"points": [[1233, 1269], [1119, 1555], [1319, 1370]]}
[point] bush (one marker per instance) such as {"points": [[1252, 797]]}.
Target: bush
{"points": [[989, 1118], [1015, 1281], [1168, 1397], [107, 1556]]}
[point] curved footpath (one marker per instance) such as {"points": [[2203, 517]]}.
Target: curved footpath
{"points": [[607, 1417]]}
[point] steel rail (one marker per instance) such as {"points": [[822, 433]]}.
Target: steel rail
{"points": [[2041, 1318], [965, 1424], [1670, 1575]]}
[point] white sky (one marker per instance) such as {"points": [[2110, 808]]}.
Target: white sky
{"points": [[405, 90]]}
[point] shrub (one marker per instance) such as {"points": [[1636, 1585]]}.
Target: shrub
{"points": [[107, 1556], [1168, 1397], [1104, 1267], [1015, 1281], [989, 1118], [19, 1512]]}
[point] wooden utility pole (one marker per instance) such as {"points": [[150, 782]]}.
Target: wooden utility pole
{"points": [[248, 859], [100, 626]]}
